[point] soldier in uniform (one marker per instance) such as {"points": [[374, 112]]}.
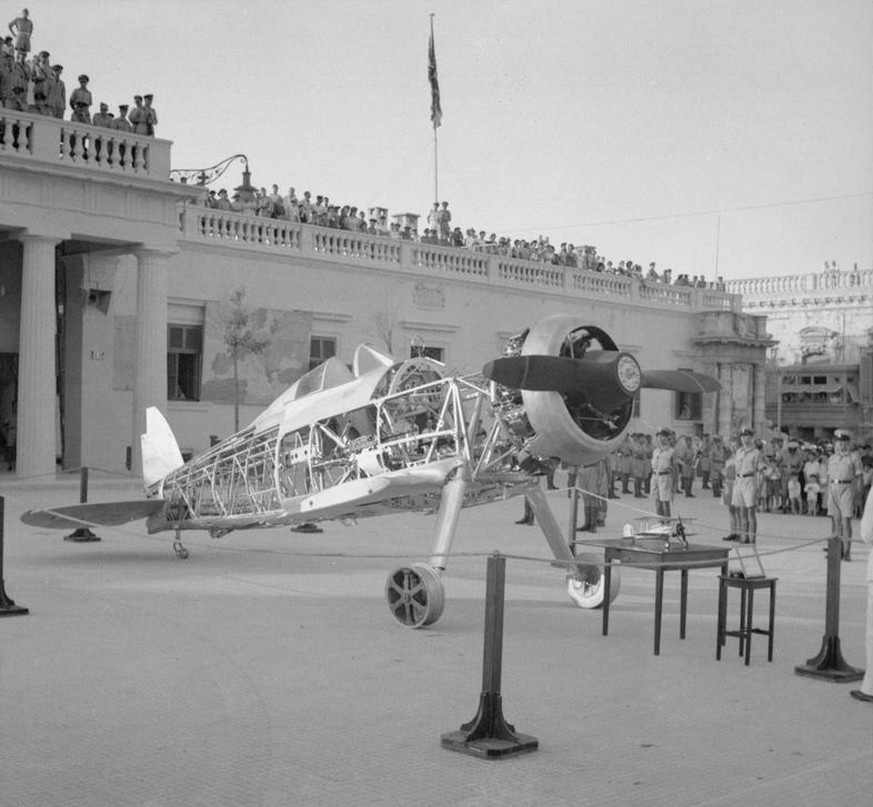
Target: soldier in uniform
{"points": [[20, 82], [687, 456], [120, 122], [40, 74], [844, 472], [748, 461], [80, 101], [22, 29], [663, 466], [704, 462], [648, 450], [716, 465], [151, 116], [790, 463], [625, 453], [638, 464], [56, 92], [138, 117], [104, 117]]}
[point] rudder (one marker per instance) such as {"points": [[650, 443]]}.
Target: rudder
{"points": [[160, 451]]}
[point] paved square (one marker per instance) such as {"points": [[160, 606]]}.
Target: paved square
{"points": [[267, 670]]}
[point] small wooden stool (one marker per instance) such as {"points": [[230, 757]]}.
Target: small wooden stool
{"points": [[747, 586]]}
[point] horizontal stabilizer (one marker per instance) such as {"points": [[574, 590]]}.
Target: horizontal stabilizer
{"points": [[105, 514]]}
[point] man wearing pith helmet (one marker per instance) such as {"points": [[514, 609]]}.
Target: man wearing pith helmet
{"points": [[844, 470]]}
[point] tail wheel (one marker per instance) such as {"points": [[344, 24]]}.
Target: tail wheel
{"points": [[585, 587], [415, 595]]}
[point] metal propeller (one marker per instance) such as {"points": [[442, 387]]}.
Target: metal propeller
{"points": [[605, 379]]}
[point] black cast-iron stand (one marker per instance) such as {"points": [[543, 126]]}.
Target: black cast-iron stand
{"points": [[488, 735], [829, 663]]}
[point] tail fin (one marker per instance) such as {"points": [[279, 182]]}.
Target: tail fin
{"points": [[160, 451]]}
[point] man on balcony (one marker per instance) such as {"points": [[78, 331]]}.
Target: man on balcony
{"points": [[80, 101], [56, 93]]}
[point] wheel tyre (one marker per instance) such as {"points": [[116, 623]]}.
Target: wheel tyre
{"points": [[416, 595], [585, 588]]}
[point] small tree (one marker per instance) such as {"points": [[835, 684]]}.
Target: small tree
{"points": [[241, 341], [383, 325]]}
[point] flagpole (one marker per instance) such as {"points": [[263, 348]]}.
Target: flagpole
{"points": [[436, 192], [436, 188]]}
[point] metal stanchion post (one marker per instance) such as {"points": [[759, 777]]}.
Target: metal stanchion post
{"points": [[488, 735], [7, 606], [829, 663], [82, 534]]}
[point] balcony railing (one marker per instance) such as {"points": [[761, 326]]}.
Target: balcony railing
{"points": [[812, 283], [57, 142], [252, 233]]}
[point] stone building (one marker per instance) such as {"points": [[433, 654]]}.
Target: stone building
{"points": [[820, 370], [116, 292]]}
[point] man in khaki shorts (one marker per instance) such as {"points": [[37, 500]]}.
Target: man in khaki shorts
{"points": [[748, 461], [664, 464], [844, 470]]}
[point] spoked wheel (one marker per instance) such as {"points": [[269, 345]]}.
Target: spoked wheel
{"points": [[415, 595], [585, 587]]}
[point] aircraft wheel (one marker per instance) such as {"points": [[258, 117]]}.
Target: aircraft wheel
{"points": [[585, 587], [415, 595]]}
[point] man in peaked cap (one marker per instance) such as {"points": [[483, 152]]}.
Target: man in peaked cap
{"points": [[151, 116], [844, 472], [664, 468], [80, 101], [121, 122], [748, 460]]}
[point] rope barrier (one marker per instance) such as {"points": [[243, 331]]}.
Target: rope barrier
{"points": [[674, 562]]}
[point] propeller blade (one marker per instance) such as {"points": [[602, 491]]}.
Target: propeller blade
{"points": [[679, 381], [539, 373], [605, 379]]}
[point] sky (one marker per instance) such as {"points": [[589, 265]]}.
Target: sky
{"points": [[727, 138]]}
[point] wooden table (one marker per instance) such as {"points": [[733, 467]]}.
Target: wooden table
{"points": [[651, 553]]}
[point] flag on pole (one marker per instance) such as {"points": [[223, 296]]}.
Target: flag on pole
{"points": [[436, 112]]}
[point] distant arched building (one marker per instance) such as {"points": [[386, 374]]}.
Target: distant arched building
{"points": [[820, 374]]}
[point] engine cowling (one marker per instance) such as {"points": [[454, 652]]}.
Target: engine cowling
{"points": [[580, 428]]}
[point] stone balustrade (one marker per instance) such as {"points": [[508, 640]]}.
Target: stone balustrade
{"points": [[239, 231], [64, 143], [803, 284]]}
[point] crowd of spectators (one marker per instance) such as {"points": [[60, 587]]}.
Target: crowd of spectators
{"points": [[35, 85], [321, 212], [792, 477]]}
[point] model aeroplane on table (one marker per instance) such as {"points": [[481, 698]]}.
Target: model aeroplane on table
{"points": [[390, 436]]}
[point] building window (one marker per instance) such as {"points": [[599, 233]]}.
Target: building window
{"points": [[427, 351], [184, 360], [321, 348], [689, 405]]}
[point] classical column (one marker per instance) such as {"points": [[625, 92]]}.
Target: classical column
{"points": [[725, 400], [36, 403], [150, 385], [759, 396]]}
